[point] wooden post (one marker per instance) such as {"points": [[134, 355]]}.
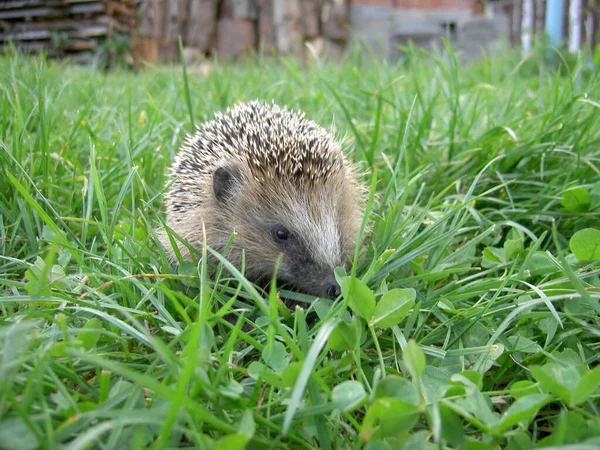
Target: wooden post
{"points": [[516, 21], [202, 25], [540, 6], [589, 26], [575, 22], [266, 26], [146, 44], [527, 26], [311, 18], [288, 30], [172, 22]]}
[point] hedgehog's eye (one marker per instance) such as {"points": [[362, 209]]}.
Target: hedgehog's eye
{"points": [[281, 233]]}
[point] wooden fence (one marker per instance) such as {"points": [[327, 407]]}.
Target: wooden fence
{"points": [[151, 28], [233, 27]]}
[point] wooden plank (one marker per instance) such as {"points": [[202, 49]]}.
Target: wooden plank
{"points": [[84, 31], [61, 24], [58, 24], [82, 44], [33, 45], [28, 13], [32, 24], [76, 45], [40, 47], [78, 1], [25, 35], [20, 4], [91, 8], [88, 8], [90, 31]]}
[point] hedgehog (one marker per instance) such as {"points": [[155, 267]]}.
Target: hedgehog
{"points": [[276, 181]]}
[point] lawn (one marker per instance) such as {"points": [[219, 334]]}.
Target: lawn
{"points": [[470, 321]]}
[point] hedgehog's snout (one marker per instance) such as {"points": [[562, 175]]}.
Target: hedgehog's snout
{"points": [[332, 288], [311, 279]]}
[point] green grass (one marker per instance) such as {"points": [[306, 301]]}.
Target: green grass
{"points": [[471, 323]]}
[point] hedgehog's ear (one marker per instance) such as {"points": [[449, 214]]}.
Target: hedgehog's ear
{"points": [[227, 181]]}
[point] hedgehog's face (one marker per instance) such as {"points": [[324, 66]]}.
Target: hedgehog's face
{"points": [[314, 230]]}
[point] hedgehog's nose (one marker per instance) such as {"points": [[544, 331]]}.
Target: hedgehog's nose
{"points": [[332, 289]]}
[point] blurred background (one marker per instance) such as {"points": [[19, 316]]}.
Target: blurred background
{"points": [[130, 32]]}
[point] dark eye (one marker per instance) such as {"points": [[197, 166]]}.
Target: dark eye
{"points": [[281, 233]]}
